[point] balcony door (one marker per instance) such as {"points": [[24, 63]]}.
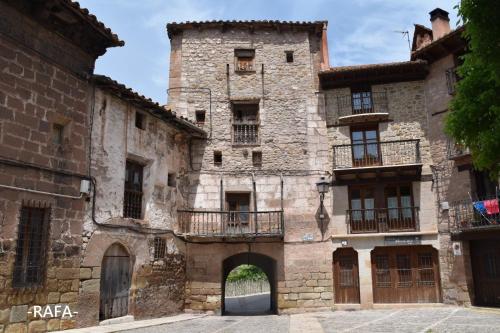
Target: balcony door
{"points": [[365, 147], [362, 214], [361, 101], [238, 205], [399, 200]]}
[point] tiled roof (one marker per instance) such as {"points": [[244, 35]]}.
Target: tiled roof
{"points": [[453, 37], [147, 104], [344, 69], [179, 26], [92, 19]]}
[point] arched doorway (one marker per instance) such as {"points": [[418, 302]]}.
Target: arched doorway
{"points": [[264, 263], [115, 282]]}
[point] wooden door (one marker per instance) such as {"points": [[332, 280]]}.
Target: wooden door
{"points": [[346, 276], [115, 283], [405, 274], [485, 258]]}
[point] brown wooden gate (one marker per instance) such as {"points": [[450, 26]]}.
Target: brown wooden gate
{"points": [[405, 274], [115, 283], [485, 258], [346, 276]]}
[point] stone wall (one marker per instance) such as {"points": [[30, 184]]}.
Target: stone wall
{"points": [[157, 286], [37, 91]]}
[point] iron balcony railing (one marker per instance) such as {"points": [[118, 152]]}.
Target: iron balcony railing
{"points": [[455, 150], [385, 153], [382, 220], [355, 104], [245, 134], [464, 216], [231, 223]]}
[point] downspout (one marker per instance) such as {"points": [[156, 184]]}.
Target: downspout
{"points": [[255, 204], [281, 202]]}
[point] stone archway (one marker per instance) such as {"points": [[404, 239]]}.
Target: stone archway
{"points": [[115, 283], [265, 263]]}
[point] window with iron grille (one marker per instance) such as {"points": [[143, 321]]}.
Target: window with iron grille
{"points": [[403, 269], [244, 59], [29, 266], [132, 204], [361, 99], [382, 272], [425, 269], [346, 264], [160, 246], [245, 124]]}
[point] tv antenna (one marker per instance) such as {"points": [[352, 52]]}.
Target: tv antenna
{"points": [[406, 34]]}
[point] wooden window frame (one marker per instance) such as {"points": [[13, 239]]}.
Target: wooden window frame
{"points": [[236, 217], [361, 89], [365, 129], [25, 273], [133, 193], [254, 124]]}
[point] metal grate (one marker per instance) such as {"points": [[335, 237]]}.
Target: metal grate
{"points": [[382, 272], [403, 268], [160, 246], [132, 203], [29, 266], [425, 270], [346, 275]]}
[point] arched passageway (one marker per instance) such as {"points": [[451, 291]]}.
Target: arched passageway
{"points": [[252, 305], [115, 282]]}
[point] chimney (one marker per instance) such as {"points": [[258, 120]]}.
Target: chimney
{"points": [[440, 23]]}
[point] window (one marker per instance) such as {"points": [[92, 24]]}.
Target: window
{"points": [[244, 60], [171, 181], [361, 99], [382, 271], [238, 205], [132, 205], [257, 158], [362, 204], [451, 79], [346, 266], [399, 202], [403, 269], [245, 124], [200, 117], [160, 246], [29, 266], [365, 148], [57, 134], [140, 120], [289, 56], [218, 158], [425, 269]]}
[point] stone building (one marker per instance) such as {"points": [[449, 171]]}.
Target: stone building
{"points": [[132, 261], [47, 53], [468, 240]]}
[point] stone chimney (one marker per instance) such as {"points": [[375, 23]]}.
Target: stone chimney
{"points": [[440, 23]]}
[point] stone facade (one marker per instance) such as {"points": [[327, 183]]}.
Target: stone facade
{"points": [[42, 84]]}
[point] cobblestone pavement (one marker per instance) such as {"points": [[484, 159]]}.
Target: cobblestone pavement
{"points": [[419, 320]]}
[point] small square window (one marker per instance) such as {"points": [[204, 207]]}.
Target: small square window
{"points": [[244, 60], [58, 134], [289, 56], [140, 120], [172, 180], [217, 157], [257, 158], [200, 117]]}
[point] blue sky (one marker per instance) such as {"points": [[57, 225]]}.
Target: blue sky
{"points": [[359, 31]]}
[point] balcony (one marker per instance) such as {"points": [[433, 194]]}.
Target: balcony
{"points": [[464, 217], [231, 224], [366, 107], [246, 134], [381, 220], [458, 153], [374, 159]]}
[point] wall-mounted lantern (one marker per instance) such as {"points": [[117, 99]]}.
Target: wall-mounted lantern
{"points": [[323, 187]]}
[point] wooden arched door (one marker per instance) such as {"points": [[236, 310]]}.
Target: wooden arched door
{"points": [[346, 276], [115, 283]]}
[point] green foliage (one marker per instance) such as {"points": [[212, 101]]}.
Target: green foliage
{"points": [[475, 120], [246, 272]]}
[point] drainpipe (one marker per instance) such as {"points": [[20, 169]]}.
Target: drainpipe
{"points": [[255, 204], [282, 209]]}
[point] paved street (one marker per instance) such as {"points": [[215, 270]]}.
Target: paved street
{"points": [[422, 320], [254, 304]]}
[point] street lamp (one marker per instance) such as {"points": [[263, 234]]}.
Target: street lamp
{"points": [[323, 187]]}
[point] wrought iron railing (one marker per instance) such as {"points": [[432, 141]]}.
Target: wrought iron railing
{"points": [[231, 223], [245, 134], [464, 216], [385, 153], [382, 220], [349, 105], [455, 150], [132, 204]]}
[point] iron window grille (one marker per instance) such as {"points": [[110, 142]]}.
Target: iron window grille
{"points": [[31, 248], [160, 246], [246, 124], [132, 204]]}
